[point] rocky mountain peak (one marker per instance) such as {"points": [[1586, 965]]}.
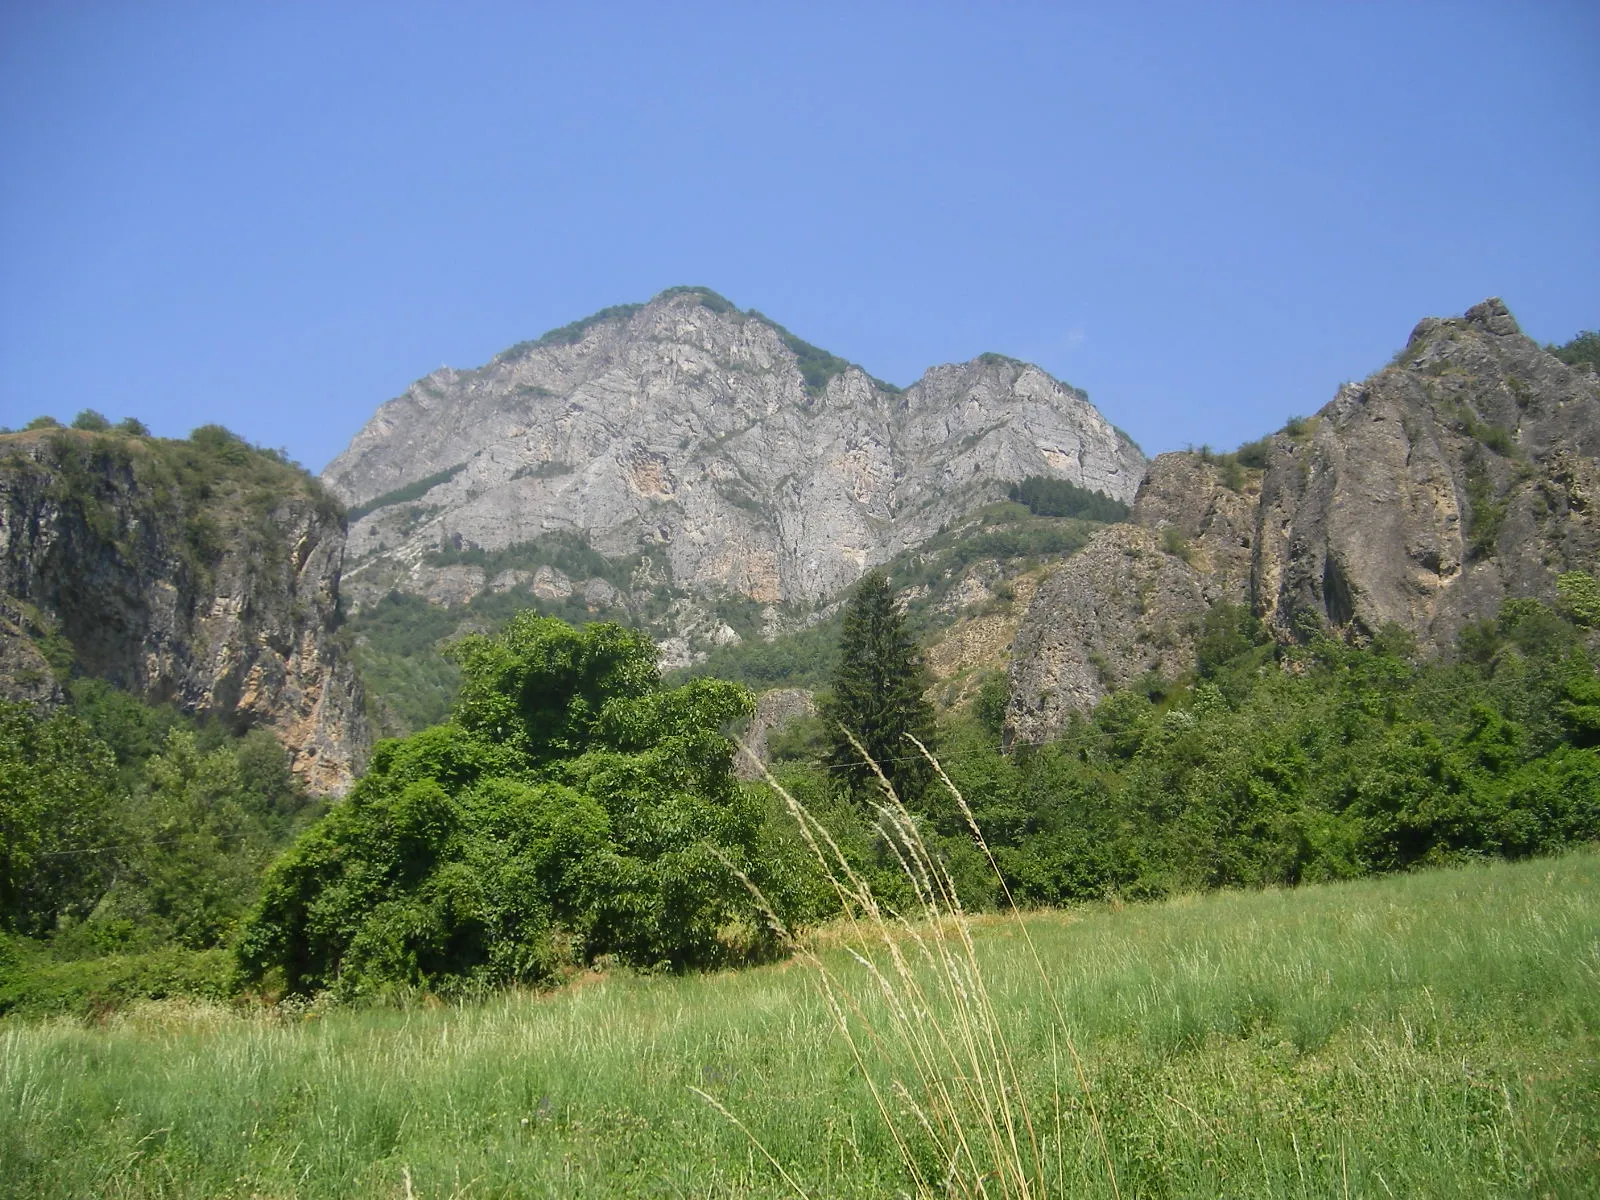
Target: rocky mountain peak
{"points": [[711, 442], [1464, 472]]}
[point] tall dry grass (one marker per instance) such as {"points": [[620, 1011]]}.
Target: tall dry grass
{"points": [[934, 1048]]}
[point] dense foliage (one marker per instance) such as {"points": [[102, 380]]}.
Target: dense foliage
{"points": [[1282, 764], [1271, 765], [573, 808], [131, 841], [1047, 497]]}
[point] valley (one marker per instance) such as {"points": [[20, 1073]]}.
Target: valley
{"points": [[1267, 777]]}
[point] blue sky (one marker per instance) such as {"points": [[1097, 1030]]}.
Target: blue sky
{"points": [[276, 216]]}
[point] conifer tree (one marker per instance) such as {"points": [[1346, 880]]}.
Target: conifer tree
{"points": [[878, 688]]}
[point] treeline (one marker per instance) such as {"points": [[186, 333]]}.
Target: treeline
{"points": [[575, 810], [1276, 764], [132, 840], [1047, 497]]}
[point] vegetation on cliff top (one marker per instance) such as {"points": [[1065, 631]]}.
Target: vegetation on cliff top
{"points": [[212, 489]]}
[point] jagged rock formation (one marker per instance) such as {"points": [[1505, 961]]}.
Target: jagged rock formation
{"points": [[1463, 473], [207, 576], [734, 458]]}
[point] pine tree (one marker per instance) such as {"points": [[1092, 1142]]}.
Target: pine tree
{"points": [[878, 696]]}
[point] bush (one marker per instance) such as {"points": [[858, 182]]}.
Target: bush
{"points": [[33, 984], [1578, 595], [1582, 350], [1254, 455]]}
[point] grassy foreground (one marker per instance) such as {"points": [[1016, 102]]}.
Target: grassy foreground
{"points": [[1429, 1035]]}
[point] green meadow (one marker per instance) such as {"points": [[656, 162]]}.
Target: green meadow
{"points": [[1432, 1034]]}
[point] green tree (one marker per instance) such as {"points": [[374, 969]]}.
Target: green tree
{"points": [[878, 697], [1584, 349], [59, 803], [1227, 631], [572, 808]]}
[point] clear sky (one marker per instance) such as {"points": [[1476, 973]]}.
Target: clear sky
{"points": [[278, 215]]}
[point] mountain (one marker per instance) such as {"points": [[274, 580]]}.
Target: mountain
{"points": [[653, 458], [204, 573], [1463, 473]]}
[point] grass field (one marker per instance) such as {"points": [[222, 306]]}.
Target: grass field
{"points": [[1430, 1035]]}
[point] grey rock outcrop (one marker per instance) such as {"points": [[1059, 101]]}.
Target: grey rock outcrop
{"points": [[775, 708], [224, 605], [1463, 473], [1130, 603], [696, 434]]}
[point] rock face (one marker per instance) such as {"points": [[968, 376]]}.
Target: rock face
{"points": [[739, 459], [775, 708], [213, 584], [1463, 473]]}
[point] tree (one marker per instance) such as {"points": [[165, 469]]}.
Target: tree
{"points": [[59, 801], [572, 808], [878, 698], [1581, 350]]}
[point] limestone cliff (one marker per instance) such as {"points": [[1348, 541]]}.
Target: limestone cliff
{"points": [[735, 458], [204, 573], [1464, 472]]}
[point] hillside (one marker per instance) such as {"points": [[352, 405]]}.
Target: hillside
{"points": [[202, 573]]}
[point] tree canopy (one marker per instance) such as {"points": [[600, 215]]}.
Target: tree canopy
{"points": [[572, 808]]}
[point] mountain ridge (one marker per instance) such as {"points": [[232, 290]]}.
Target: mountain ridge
{"points": [[731, 454]]}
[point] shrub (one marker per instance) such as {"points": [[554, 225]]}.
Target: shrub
{"points": [[1254, 455], [1175, 543], [1578, 594], [1582, 350]]}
